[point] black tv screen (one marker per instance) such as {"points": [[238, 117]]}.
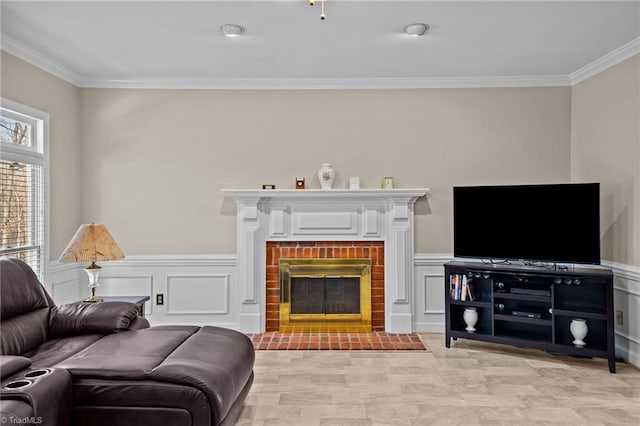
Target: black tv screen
{"points": [[557, 223]]}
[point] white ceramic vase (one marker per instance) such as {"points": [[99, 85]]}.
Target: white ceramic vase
{"points": [[326, 176], [470, 317], [579, 331]]}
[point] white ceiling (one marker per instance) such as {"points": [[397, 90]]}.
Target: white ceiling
{"points": [[360, 44]]}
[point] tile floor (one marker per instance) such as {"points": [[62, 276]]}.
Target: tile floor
{"points": [[472, 383]]}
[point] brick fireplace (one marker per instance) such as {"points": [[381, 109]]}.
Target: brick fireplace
{"points": [[277, 250], [314, 223]]}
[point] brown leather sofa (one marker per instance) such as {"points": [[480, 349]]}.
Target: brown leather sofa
{"points": [[100, 364]]}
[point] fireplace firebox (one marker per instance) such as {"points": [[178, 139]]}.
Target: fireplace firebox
{"points": [[325, 295]]}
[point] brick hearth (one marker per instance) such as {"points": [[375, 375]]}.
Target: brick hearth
{"points": [[373, 250], [336, 341]]}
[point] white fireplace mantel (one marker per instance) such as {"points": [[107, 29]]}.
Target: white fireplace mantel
{"points": [[326, 215]]}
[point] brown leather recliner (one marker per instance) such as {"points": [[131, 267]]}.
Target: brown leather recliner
{"points": [[100, 364]]}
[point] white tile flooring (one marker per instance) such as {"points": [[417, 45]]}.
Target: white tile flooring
{"points": [[472, 383]]}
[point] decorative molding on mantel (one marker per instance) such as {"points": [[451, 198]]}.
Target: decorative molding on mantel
{"points": [[323, 194], [326, 215]]}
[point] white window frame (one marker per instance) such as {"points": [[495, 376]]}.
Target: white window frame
{"points": [[36, 153]]}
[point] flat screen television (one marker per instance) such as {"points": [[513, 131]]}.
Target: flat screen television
{"points": [[557, 223]]}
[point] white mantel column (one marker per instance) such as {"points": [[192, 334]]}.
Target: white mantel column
{"points": [[398, 278], [251, 264]]}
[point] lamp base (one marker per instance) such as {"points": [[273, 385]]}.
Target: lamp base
{"points": [[93, 271]]}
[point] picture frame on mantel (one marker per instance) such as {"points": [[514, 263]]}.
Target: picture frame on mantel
{"points": [[388, 182], [354, 182]]}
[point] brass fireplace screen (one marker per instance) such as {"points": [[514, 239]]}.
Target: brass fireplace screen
{"points": [[325, 295]]}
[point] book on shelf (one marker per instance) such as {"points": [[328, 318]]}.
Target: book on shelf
{"points": [[461, 288]]}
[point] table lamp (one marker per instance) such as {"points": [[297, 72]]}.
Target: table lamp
{"points": [[91, 243]]}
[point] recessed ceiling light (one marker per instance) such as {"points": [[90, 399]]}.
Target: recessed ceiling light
{"points": [[416, 30], [232, 30]]}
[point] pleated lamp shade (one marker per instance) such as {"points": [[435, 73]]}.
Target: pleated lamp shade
{"points": [[91, 243]]}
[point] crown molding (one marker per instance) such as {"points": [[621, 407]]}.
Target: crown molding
{"points": [[607, 61], [41, 61], [38, 60], [326, 83], [47, 64]]}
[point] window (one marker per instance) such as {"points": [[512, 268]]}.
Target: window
{"points": [[23, 183]]}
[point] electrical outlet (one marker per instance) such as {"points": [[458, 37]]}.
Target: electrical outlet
{"points": [[159, 299], [619, 318]]}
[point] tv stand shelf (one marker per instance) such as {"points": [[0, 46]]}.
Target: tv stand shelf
{"points": [[531, 306]]}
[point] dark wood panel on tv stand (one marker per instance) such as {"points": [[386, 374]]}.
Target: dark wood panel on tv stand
{"points": [[530, 306]]}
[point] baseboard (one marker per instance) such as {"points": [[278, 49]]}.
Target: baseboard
{"points": [[430, 327], [250, 323], [628, 349]]}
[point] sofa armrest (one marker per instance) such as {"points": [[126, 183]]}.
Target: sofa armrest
{"points": [[91, 318], [44, 400], [11, 364], [138, 323]]}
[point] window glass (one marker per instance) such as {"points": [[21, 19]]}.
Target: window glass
{"points": [[22, 187]]}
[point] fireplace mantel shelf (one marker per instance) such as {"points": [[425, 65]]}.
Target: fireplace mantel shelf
{"points": [[310, 194]]}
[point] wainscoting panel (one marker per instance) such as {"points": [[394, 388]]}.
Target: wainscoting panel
{"points": [[198, 294], [64, 283], [433, 302], [197, 290], [127, 285], [429, 292], [626, 298]]}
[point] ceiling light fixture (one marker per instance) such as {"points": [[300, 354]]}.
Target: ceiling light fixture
{"points": [[232, 30], [323, 16], [416, 30]]}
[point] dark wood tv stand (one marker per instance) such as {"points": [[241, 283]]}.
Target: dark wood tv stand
{"points": [[530, 306]]}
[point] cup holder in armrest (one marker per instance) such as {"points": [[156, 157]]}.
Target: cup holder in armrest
{"points": [[33, 374], [17, 384]]}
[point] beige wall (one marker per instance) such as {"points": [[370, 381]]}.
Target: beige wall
{"points": [[155, 161], [33, 87], [151, 164], [605, 147]]}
